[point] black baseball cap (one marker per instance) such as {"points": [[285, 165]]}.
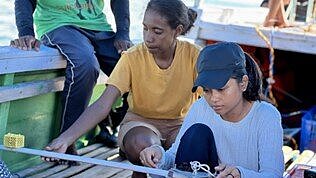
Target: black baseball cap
{"points": [[217, 63]]}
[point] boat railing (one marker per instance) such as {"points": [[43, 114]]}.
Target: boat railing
{"points": [[30, 85]]}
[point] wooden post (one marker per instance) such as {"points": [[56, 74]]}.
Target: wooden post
{"points": [[309, 12], [293, 11]]}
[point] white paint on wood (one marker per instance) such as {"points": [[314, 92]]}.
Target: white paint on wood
{"points": [[243, 32], [13, 60]]}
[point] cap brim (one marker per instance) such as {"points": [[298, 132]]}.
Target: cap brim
{"points": [[212, 79]]}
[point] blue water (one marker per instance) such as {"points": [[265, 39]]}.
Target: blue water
{"points": [[7, 22], [8, 29], [137, 7]]}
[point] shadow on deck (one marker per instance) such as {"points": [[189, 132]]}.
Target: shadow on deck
{"points": [[83, 170]]}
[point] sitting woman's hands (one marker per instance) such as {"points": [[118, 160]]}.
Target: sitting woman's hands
{"points": [[150, 156], [227, 171], [59, 145]]}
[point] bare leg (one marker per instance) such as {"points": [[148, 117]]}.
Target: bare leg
{"points": [[282, 21], [135, 141], [276, 14]]}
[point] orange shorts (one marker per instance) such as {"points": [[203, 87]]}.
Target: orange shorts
{"points": [[166, 129]]}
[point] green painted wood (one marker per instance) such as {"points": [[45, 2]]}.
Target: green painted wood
{"points": [[36, 108], [37, 118], [29, 89], [4, 107]]}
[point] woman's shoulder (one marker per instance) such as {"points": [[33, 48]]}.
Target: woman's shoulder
{"points": [[138, 49], [189, 51], [189, 46], [266, 109], [135, 55]]}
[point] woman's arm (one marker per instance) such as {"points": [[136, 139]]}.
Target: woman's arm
{"points": [[168, 158], [88, 119]]}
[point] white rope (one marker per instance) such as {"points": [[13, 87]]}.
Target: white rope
{"points": [[196, 166]]}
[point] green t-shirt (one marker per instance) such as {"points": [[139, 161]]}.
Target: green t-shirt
{"points": [[51, 14]]}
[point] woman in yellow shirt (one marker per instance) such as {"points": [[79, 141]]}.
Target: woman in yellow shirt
{"points": [[158, 74]]}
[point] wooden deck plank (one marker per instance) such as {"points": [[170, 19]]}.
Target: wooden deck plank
{"points": [[35, 169], [122, 174], [89, 148], [59, 168], [51, 171], [73, 170], [45, 165], [101, 171]]}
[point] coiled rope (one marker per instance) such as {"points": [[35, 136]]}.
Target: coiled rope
{"points": [[196, 166]]}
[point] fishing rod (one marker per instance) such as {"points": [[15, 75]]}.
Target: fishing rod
{"points": [[165, 173]]}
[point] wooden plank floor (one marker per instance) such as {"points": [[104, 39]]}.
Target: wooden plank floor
{"points": [[99, 151], [84, 170]]}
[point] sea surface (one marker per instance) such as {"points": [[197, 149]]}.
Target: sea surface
{"points": [[7, 22], [8, 29]]}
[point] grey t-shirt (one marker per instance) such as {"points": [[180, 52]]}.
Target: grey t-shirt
{"points": [[253, 144]]}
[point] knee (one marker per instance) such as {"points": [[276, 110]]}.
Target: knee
{"points": [[87, 64], [197, 132], [197, 144], [136, 140]]}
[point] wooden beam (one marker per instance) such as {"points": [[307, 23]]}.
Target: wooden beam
{"points": [[46, 165], [29, 89], [243, 31], [13, 60]]}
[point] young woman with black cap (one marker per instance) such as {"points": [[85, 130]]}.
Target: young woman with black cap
{"points": [[230, 129]]}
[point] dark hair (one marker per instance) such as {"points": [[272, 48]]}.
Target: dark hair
{"points": [[176, 13], [254, 88]]}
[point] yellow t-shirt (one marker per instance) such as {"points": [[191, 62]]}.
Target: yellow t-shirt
{"points": [[153, 92]]}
